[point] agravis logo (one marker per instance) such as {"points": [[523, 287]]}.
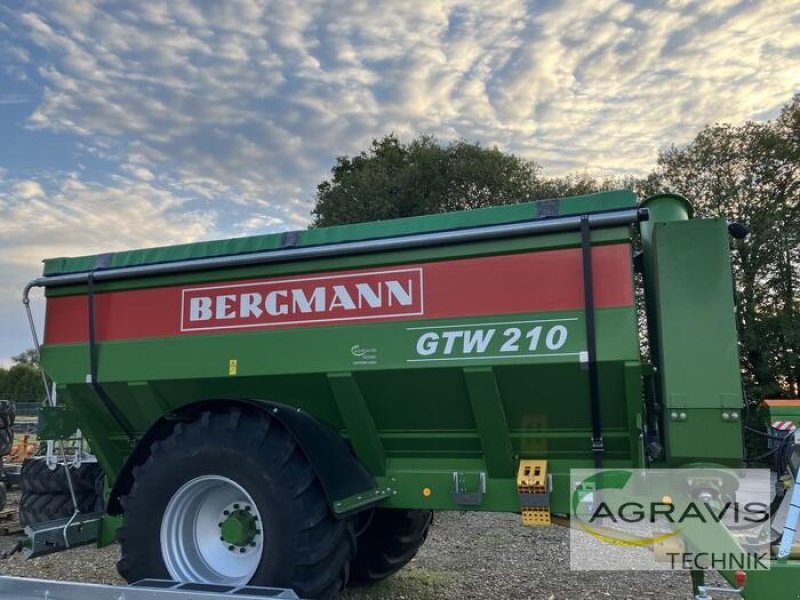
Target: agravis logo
{"points": [[688, 518], [591, 486]]}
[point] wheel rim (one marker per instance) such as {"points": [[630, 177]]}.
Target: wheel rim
{"points": [[211, 533]]}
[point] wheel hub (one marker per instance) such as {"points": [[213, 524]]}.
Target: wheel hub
{"points": [[211, 532], [239, 527]]}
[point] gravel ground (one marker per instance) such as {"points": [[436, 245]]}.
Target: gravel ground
{"points": [[468, 555]]}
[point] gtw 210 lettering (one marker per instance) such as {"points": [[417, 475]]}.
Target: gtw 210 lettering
{"points": [[479, 341]]}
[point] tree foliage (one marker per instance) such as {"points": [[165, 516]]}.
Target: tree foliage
{"points": [[393, 179], [23, 380], [29, 357], [750, 174]]}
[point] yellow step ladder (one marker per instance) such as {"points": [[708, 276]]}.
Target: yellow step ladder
{"points": [[533, 486]]}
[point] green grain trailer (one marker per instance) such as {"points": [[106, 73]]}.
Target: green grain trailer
{"points": [[286, 409]]}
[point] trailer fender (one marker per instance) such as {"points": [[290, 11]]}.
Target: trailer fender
{"points": [[342, 476]]}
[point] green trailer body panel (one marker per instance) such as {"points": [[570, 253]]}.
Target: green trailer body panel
{"points": [[412, 420], [780, 582]]}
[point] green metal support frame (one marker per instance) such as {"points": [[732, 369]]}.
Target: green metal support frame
{"points": [[359, 427], [57, 422], [490, 421]]}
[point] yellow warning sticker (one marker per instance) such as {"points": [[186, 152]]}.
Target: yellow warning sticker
{"points": [[232, 366]]}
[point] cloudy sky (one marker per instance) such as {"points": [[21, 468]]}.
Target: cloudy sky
{"points": [[129, 124]]}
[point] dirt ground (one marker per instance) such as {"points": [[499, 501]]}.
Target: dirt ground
{"points": [[468, 555]]}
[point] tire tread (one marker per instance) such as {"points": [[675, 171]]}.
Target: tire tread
{"points": [[324, 545], [389, 542]]}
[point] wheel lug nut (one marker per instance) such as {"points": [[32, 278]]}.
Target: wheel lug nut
{"points": [[258, 532], [226, 512], [241, 549], [219, 524], [252, 544], [230, 548], [236, 506], [247, 508]]}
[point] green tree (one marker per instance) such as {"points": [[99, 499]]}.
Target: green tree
{"points": [[29, 357], [393, 179], [23, 381], [751, 174]]}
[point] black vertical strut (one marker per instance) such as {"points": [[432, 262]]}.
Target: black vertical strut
{"points": [[591, 341], [120, 419]]}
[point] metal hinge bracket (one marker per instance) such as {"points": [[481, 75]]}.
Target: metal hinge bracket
{"points": [[469, 488]]}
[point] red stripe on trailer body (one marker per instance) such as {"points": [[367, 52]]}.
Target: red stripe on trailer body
{"points": [[508, 284]]}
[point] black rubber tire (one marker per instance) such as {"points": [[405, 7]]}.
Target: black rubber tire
{"points": [[3, 495], [8, 413], [38, 478], [38, 508], [45, 493], [388, 543], [6, 441], [308, 550]]}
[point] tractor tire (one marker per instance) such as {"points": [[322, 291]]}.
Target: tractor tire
{"points": [[39, 508], [45, 493], [389, 542], [207, 473], [8, 413], [37, 477], [6, 441]]}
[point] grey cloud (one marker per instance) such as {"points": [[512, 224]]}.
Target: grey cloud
{"points": [[270, 92], [67, 216]]}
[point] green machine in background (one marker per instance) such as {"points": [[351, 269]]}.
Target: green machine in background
{"points": [[289, 409], [780, 416]]}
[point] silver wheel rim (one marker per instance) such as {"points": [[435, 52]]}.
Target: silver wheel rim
{"points": [[193, 546]]}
